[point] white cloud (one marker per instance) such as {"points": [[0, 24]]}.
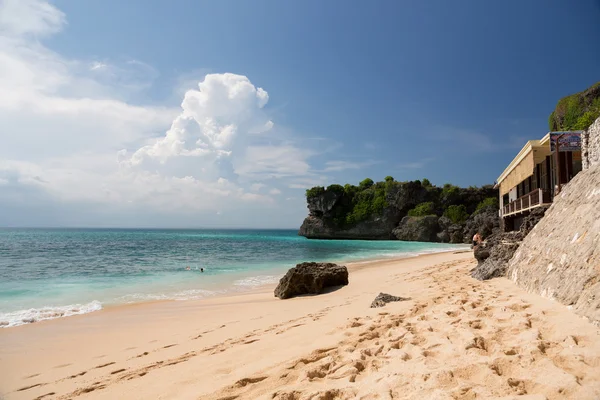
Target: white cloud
{"points": [[35, 17], [214, 121], [77, 133], [338, 165], [256, 187]]}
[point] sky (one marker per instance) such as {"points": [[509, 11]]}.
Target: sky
{"points": [[191, 114]]}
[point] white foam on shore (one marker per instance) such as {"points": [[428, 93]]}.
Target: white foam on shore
{"points": [[32, 315], [255, 281], [190, 294]]}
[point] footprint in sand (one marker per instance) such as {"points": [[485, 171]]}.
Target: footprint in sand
{"points": [[117, 371], [45, 395], [104, 365], [30, 387]]}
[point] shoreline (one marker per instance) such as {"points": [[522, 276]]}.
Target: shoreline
{"points": [[454, 338], [224, 290]]}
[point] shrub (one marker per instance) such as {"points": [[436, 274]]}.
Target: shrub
{"points": [[577, 111], [422, 210], [350, 190], [365, 184], [450, 194], [457, 214], [425, 182], [389, 178], [315, 191], [335, 188], [585, 120], [490, 201]]}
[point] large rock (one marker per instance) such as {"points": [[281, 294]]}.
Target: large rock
{"points": [[560, 257], [449, 231], [486, 221], [322, 205], [497, 250], [493, 256], [532, 220], [418, 229], [311, 278]]}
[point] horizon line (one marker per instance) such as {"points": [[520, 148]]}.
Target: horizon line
{"points": [[142, 227]]}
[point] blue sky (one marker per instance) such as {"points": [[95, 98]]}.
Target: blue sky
{"points": [[318, 92]]}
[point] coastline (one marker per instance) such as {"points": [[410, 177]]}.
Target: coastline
{"points": [[253, 345], [222, 289]]}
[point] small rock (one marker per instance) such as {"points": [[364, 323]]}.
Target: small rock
{"points": [[383, 298]]}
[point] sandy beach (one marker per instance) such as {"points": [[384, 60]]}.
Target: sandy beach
{"points": [[456, 338]]}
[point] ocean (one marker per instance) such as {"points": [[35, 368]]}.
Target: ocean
{"points": [[54, 273]]}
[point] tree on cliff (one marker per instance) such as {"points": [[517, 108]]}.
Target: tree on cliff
{"points": [[386, 203], [577, 111]]}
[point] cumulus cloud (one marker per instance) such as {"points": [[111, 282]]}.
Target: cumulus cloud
{"points": [[78, 135], [214, 119], [80, 143]]}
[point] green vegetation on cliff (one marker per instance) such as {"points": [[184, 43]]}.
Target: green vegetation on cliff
{"points": [[457, 213], [353, 204], [357, 202], [577, 111], [422, 210]]}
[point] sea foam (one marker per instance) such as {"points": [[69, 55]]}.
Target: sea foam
{"points": [[190, 294], [255, 281], [32, 315]]}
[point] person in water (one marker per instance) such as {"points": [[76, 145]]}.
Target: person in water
{"points": [[187, 268], [201, 269]]}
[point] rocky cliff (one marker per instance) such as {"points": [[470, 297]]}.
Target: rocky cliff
{"points": [[351, 212], [497, 250], [560, 257], [412, 211]]}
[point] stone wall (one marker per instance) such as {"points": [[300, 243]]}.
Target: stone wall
{"points": [[560, 257], [590, 146]]}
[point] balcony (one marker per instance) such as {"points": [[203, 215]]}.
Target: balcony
{"points": [[534, 199]]}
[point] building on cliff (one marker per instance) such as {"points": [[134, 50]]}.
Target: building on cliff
{"points": [[537, 174]]}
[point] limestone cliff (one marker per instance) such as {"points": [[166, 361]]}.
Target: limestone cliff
{"points": [[330, 215], [560, 257], [414, 211]]}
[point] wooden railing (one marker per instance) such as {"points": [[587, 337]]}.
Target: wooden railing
{"points": [[533, 199]]}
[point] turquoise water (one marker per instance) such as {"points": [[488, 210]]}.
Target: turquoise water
{"points": [[51, 273]]}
